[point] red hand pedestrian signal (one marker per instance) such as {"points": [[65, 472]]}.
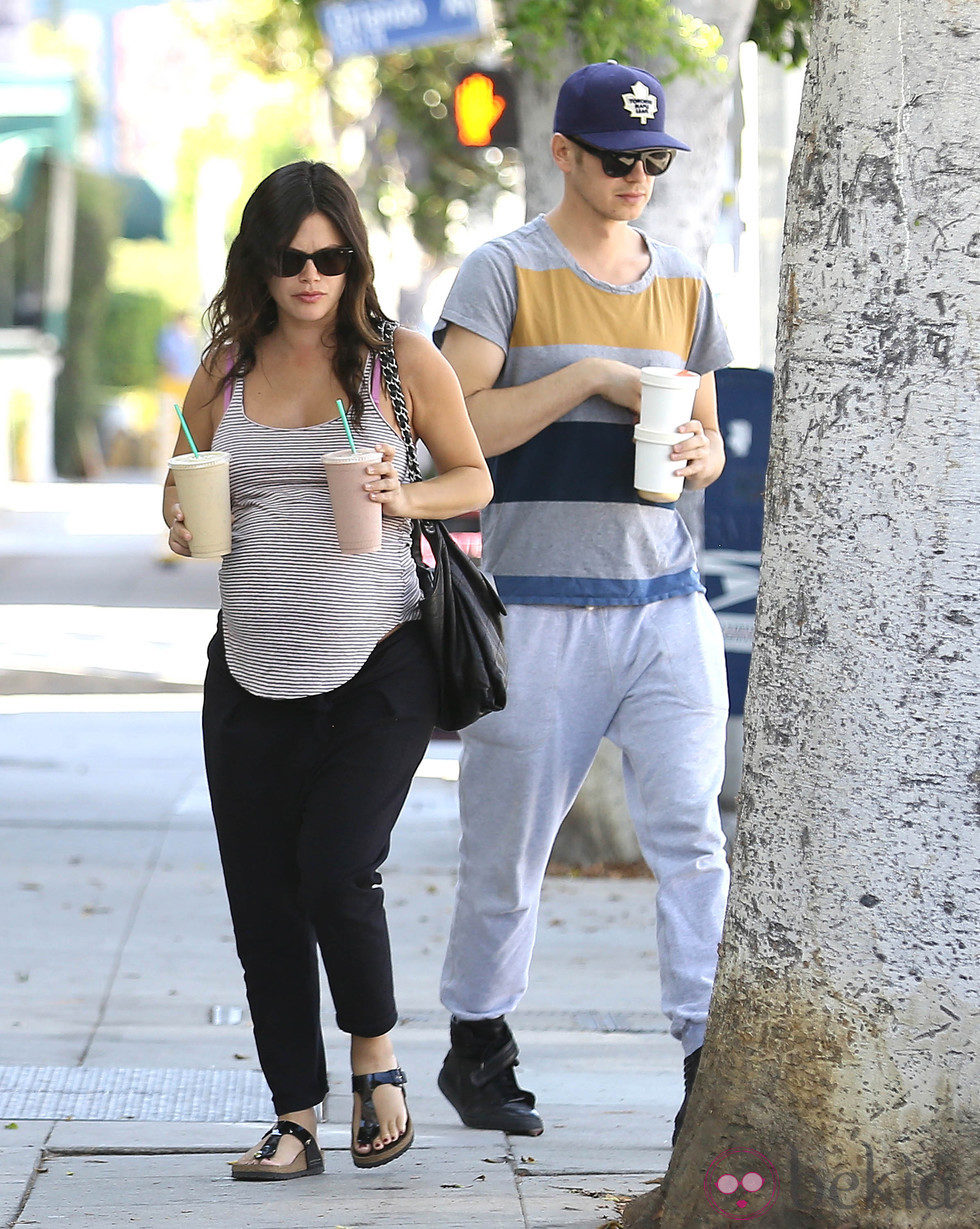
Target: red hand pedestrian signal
{"points": [[478, 107]]}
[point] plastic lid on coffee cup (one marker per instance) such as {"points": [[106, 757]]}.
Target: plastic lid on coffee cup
{"points": [[645, 435], [668, 377]]}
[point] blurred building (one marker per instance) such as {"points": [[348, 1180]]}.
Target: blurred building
{"points": [[40, 146], [38, 126]]}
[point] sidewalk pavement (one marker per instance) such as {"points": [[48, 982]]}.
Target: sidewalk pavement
{"points": [[128, 1076]]}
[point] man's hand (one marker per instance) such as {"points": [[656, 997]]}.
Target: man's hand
{"points": [[617, 382], [701, 457]]}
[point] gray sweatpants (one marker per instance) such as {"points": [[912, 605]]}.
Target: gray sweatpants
{"points": [[652, 680]]}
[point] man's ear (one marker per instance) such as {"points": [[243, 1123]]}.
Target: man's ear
{"points": [[562, 151]]}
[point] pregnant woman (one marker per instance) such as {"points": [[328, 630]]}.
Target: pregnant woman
{"points": [[320, 693]]}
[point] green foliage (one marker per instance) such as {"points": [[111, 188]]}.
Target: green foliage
{"points": [[415, 165], [538, 28], [128, 341], [416, 138], [781, 29], [77, 397]]}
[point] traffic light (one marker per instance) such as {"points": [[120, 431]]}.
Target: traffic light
{"points": [[485, 108]]}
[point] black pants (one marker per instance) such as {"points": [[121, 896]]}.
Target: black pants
{"points": [[305, 794]]}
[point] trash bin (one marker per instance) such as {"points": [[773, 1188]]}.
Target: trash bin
{"points": [[733, 509]]}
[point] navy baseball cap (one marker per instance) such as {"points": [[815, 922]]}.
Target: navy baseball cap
{"points": [[614, 106]]}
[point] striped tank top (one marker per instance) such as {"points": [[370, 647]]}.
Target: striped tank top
{"points": [[300, 618]]}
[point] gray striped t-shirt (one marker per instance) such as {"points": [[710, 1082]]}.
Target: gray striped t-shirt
{"points": [[566, 526], [299, 617]]}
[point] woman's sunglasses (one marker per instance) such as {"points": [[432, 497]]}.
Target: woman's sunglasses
{"points": [[328, 262], [618, 165]]}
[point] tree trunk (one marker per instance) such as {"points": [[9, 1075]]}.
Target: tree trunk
{"points": [[536, 98], [683, 212], [841, 1048]]}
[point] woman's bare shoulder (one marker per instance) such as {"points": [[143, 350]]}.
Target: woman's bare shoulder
{"points": [[215, 365], [415, 353]]}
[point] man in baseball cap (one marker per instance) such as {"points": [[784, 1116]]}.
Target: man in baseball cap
{"points": [[608, 631]]}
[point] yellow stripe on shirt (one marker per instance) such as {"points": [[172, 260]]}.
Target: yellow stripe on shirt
{"points": [[556, 307]]}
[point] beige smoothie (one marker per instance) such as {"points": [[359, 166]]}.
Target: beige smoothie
{"points": [[204, 496]]}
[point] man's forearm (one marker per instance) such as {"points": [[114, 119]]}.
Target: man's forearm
{"points": [[507, 417]]}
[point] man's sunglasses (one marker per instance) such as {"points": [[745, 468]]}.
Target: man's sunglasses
{"points": [[328, 262], [618, 165]]}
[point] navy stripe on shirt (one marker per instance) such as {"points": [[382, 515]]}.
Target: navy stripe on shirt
{"points": [[592, 591], [569, 462]]}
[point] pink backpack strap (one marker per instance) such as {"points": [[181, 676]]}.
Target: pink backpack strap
{"points": [[230, 385], [376, 382]]}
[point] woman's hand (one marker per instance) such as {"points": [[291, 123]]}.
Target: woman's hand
{"points": [[384, 486], [180, 535]]}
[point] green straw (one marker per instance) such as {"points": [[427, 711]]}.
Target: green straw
{"points": [[343, 419], [187, 430]]}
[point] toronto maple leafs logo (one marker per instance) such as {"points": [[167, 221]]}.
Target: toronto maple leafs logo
{"points": [[640, 103]]}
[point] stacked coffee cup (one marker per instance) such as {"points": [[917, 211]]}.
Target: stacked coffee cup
{"points": [[667, 403]]}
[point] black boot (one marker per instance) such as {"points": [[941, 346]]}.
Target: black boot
{"points": [[690, 1071], [478, 1080]]}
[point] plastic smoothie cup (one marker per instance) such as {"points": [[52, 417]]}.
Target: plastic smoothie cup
{"points": [[203, 492], [356, 515]]}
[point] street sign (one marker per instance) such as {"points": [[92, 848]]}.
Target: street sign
{"points": [[373, 27]]}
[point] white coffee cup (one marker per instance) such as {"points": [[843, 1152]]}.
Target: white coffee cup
{"points": [[667, 397], [653, 474], [666, 403]]}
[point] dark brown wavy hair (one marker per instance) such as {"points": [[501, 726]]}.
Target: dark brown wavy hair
{"points": [[243, 311]]}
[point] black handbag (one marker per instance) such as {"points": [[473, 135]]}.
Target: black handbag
{"points": [[462, 615]]}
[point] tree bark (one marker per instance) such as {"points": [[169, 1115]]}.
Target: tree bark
{"points": [[842, 1043], [683, 212]]}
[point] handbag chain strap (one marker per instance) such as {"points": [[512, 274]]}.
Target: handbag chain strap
{"points": [[389, 370]]}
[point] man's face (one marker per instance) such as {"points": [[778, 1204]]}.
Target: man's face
{"points": [[618, 200]]}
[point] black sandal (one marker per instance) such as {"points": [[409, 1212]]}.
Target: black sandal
{"points": [[369, 1128], [308, 1162]]}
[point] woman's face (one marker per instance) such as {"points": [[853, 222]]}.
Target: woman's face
{"points": [[310, 296]]}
